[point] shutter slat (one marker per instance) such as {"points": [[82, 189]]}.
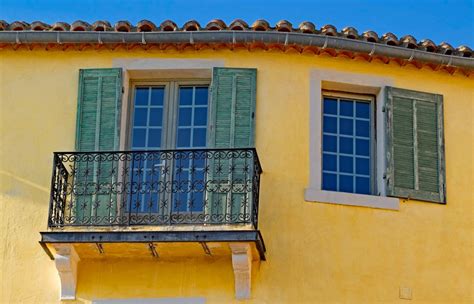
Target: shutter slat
{"points": [[403, 143], [427, 130], [415, 158]]}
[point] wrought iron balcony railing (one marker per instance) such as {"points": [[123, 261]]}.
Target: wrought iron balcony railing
{"points": [[167, 187]]}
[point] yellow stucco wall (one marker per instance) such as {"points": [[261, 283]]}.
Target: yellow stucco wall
{"points": [[317, 253]]}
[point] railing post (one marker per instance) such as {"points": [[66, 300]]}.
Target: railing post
{"points": [[53, 177]]}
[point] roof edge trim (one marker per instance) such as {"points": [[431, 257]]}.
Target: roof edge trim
{"points": [[235, 37]]}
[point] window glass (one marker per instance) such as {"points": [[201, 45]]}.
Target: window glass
{"points": [[141, 96], [148, 131], [347, 145], [157, 96], [192, 133]]}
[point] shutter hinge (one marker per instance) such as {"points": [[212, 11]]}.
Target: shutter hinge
{"points": [[123, 90], [253, 115], [384, 109]]}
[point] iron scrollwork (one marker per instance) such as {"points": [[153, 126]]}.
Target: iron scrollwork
{"points": [[166, 187]]}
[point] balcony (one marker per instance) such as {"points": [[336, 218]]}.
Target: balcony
{"points": [[160, 204]]}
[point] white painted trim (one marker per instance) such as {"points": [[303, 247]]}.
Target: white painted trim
{"points": [[66, 260], [242, 265], [352, 199], [166, 64], [354, 83], [151, 301]]}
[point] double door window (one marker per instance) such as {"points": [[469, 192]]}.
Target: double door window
{"points": [[168, 116]]}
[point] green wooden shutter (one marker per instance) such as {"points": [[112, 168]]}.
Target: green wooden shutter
{"points": [[97, 129], [98, 109], [415, 145], [232, 125], [233, 108]]}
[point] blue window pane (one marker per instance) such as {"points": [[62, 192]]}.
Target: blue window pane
{"points": [[197, 201], [362, 166], [198, 181], [346, 183], [185, 96], [199, 138], [363, 185], [362, 147], [200, 116], [139, 138], [330, 124], [202, 96], [346, 108], [330, 106], [180, 203], [346, 126], [140, 117], [157, 95], [156, 117], [182, 165], [150, 202], [154, 138], [329, 181], [137, 164], [362, 128], [184, 138], [346, 164], [141, 96], [329, 143], [199, 162], [329, 162], [185, 116], [155, 198], [363, 109], [346, 145]]}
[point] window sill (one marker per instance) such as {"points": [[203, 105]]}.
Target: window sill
{"points": [[351, 199]]}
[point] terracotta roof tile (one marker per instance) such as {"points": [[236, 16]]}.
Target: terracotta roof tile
{"points": [[216, 25], [101, 26], [307, 27], [80, 26], [168, 26], [238, 25]]}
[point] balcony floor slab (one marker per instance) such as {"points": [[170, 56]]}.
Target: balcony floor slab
{"points": [[146, 244]]}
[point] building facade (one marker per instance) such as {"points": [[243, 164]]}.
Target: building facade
{"points": [[233, 164]]}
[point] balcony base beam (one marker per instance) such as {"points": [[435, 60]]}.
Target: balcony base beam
{"points": [[103, 237]]}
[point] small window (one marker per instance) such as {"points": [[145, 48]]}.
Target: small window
{"points": [[348, 144]]}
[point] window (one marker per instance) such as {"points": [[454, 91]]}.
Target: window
{"points": [[172, 115], [348, 144], [368, 151]]}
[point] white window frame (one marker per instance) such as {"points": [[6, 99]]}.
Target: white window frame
{"points": [[321, 80], [157, 69]]}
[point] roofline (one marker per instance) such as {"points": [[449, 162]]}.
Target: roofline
{"points": [[235, 37]]}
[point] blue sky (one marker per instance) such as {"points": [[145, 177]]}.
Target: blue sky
{"points": [[450, 21]]}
